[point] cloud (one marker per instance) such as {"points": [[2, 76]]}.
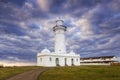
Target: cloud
{"points": [[44, 4], [114, 5], [92, 27], [108, 42], [16, 2]]}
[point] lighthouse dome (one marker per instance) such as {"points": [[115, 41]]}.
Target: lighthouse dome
{"points": [[72, 52], [45, 50]]}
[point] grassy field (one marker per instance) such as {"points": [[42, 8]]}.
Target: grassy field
{"points": [[82, 73], [12, 71]]}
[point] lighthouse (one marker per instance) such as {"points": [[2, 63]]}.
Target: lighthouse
{"points": [[60, 56], [59, 31]]}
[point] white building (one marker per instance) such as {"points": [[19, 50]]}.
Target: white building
{"points": [[101, 60], [60, 57]]}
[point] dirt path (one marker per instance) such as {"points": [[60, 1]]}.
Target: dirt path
{"points": [[30, 75]]}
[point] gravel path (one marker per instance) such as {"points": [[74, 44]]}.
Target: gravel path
{"points": [[30, 75]]}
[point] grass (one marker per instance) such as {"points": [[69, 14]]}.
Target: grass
{"points": [[12, 71], [82, 73]]}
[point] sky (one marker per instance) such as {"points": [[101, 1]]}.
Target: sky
{"points": [[93, 28]]}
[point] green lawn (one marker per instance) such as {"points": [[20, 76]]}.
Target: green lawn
{"points": [[82, 73], [12, 71]]}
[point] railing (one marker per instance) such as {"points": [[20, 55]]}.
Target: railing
{"points": [[91, 60]]}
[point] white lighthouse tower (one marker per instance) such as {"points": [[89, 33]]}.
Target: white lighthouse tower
{"points": [[60, 43], [60, 57]]}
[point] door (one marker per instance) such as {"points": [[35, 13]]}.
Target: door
{"points": [[72, 62], [57, 62], [65, 61]]}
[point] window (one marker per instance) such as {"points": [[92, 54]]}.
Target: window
{"points": [[50, 59], [41, 59], [77, 60]]}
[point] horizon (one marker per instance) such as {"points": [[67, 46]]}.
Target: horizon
{"points": [[93, 28]]}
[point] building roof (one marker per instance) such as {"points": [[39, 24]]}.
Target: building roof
{"points": [[72, 52], [98, 57], [45, 50]]}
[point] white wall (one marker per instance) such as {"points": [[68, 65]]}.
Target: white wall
{"points": [[46, 61]]}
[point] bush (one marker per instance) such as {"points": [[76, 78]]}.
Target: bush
{"points": [[1, 66], [115, 64]]}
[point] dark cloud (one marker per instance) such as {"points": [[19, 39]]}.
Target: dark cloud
{"points": [[17, 2], [12, 29]]}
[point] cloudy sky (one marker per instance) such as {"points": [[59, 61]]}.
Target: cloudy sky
{"points": [[93, 28]]}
